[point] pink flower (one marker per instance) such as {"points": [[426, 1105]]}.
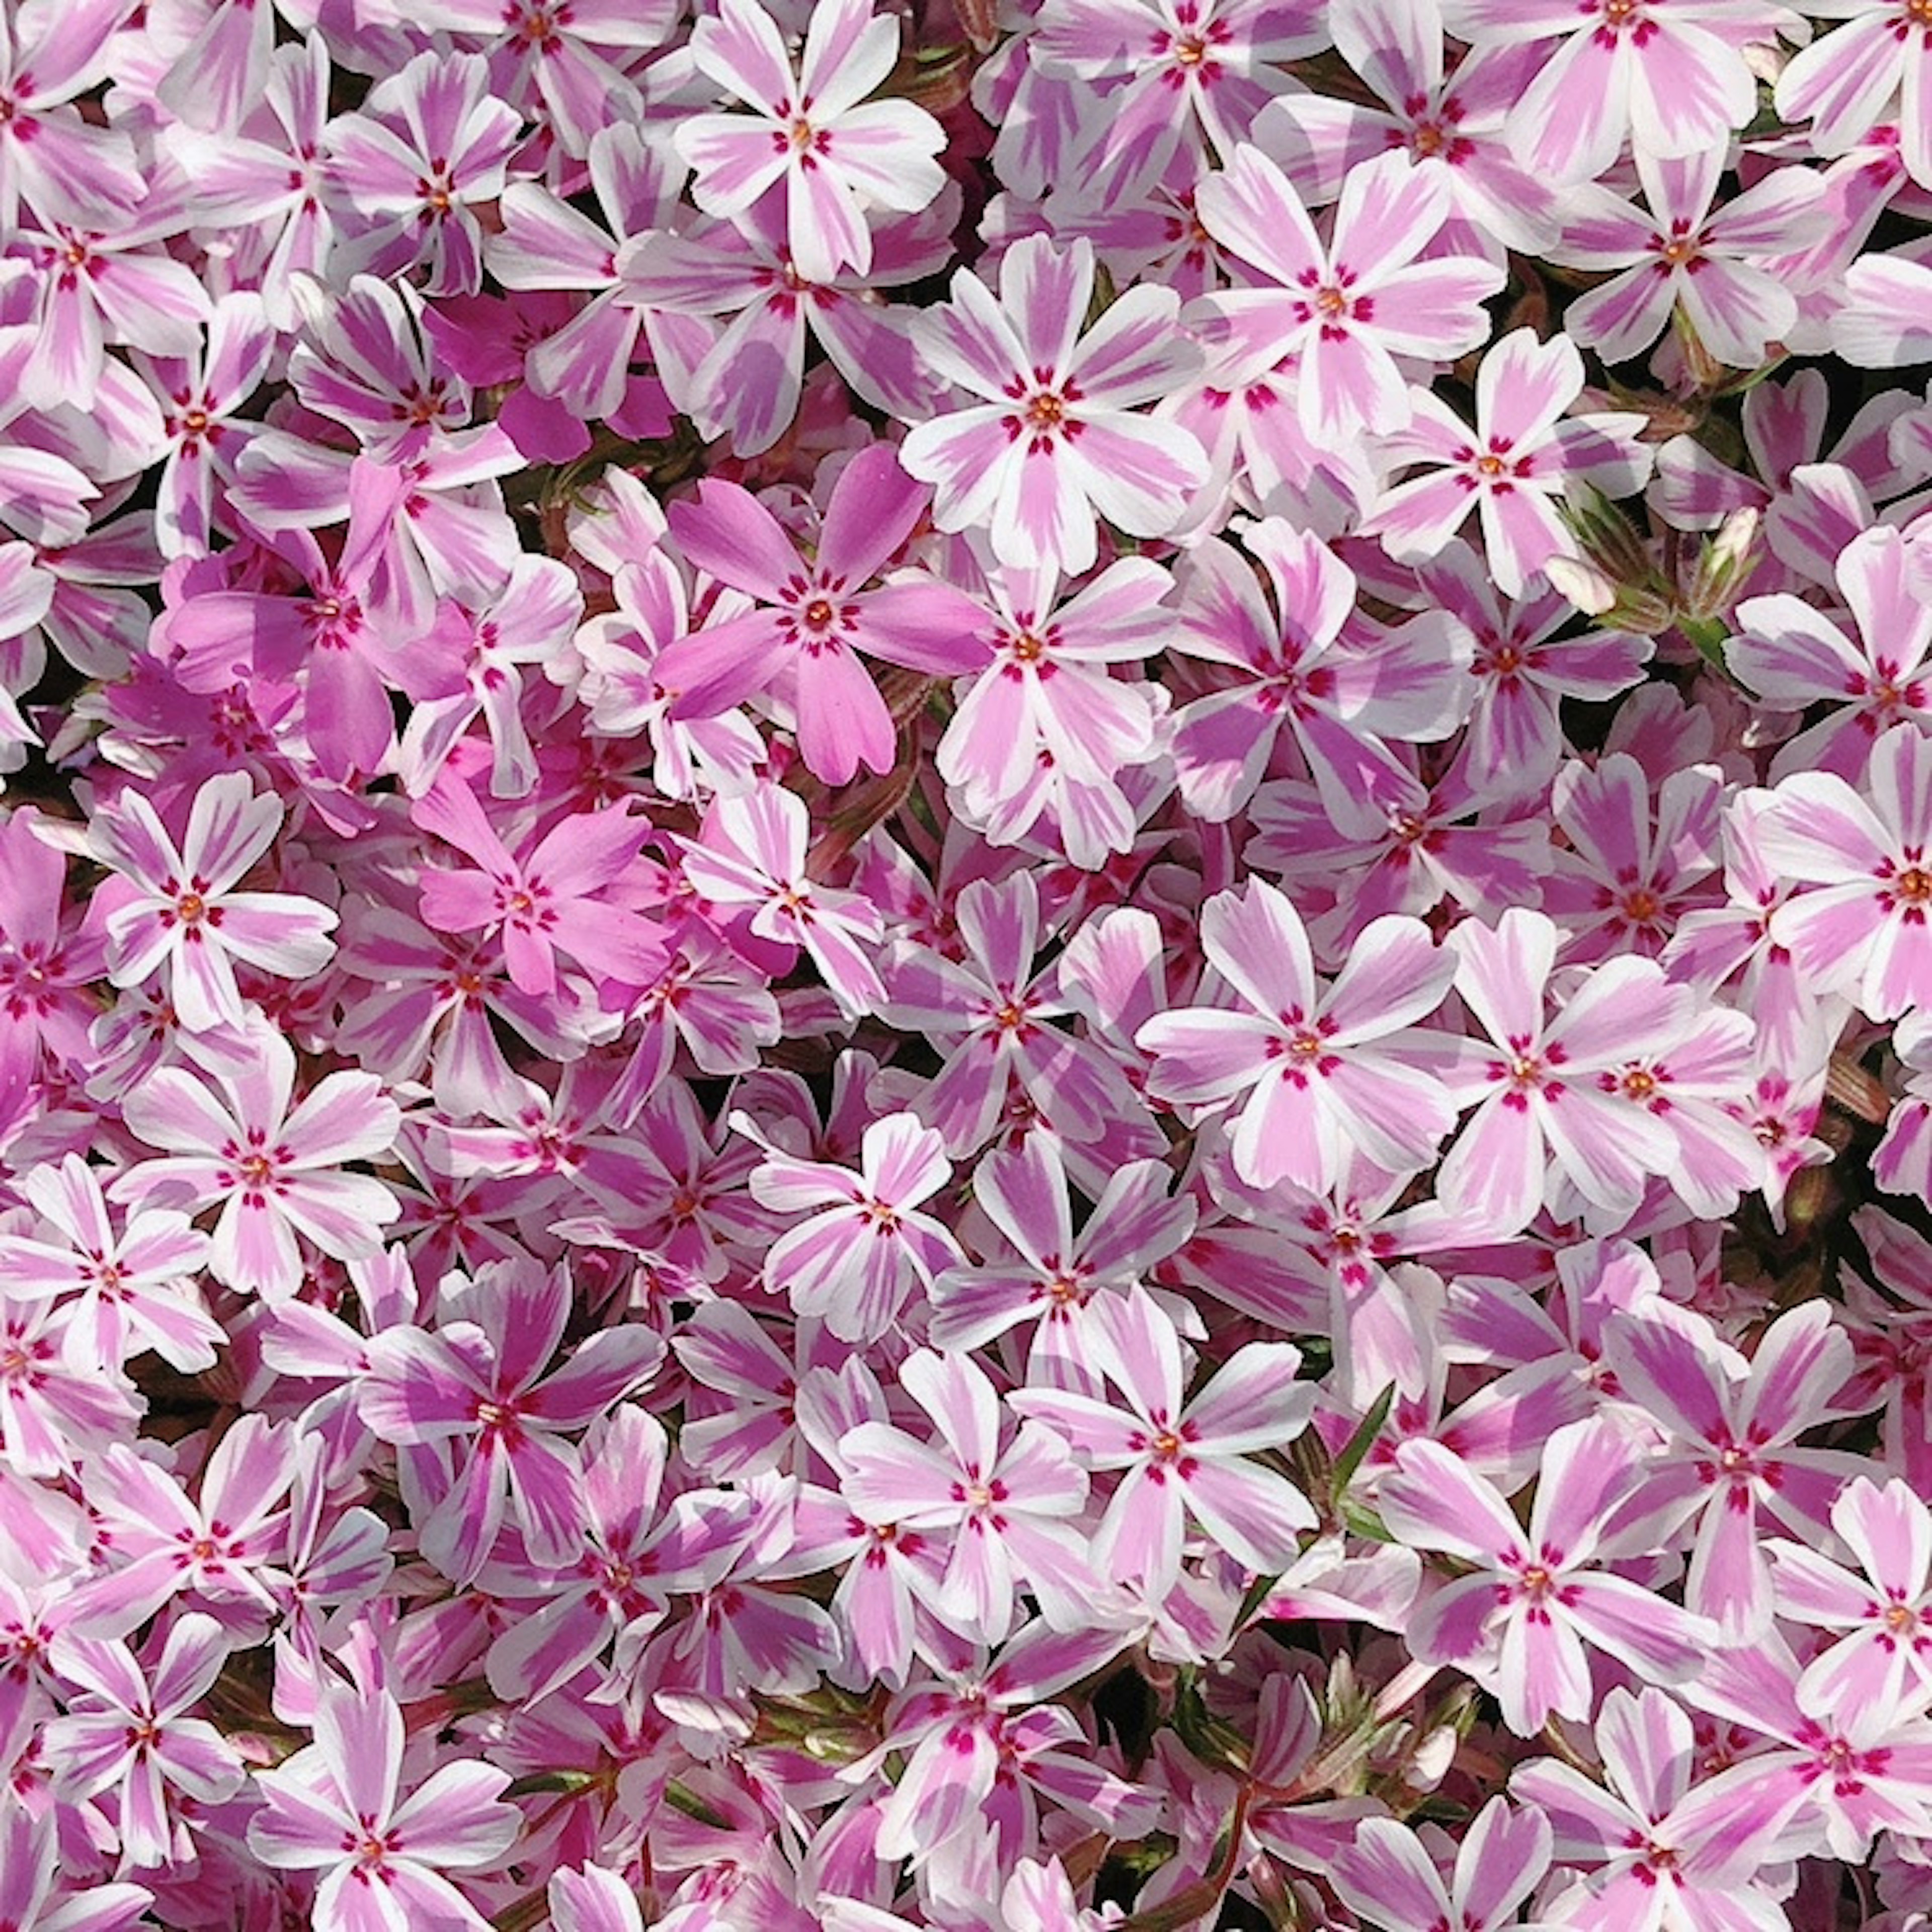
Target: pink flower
{"points": [[135, 1289], [820, 615], [1651, 1865], [1348, 309], [225, 1549], [1522, 672], [835, 157], [1321, 1074], [749, 862], [1182, 1459], [34, 1896], [1388, 1879], [1845, 81], [1524, 454], [204, 395], [552, 899], [180, 908], [274, 1170], [1060, 1277], [1008, 1510], [1053, 441], [1730, 1436], [1457, 126], [480, 1395], [334, 1808], [1683, 255], [1193, 73], [1670, 74], [855, 1262], [430, 145], [991, 1014], [128, 1730], [1862, 928], [1794, 656], [1883, 1662], [1050, 701], [1552, 1090], [1520, 1622], [1304, 661]]}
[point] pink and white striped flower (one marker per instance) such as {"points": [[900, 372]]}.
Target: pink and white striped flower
{"points": [[1321, 1073], [1009, 1511], [1669, 74], [335, 1808], [1520, 1623], [274, 1168], [1347, 310], [813, 131], [1864, 927], [855, 1263], [179, 909], [1882, 1662], [1524, 454], [1183, 1459], [1054, 440], [127, 1730]]}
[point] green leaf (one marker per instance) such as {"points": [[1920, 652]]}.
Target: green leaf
{"points": [[1358, 1445]]}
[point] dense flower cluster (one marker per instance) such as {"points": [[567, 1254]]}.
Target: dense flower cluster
{"points": [[965, 966]]}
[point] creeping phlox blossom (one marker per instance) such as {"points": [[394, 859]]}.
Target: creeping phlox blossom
{"points": [[966, 966]]}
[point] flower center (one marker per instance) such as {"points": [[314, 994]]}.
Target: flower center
{"points": [[257, 1170], [1045, 411], [1914, 885], [190, 907]]}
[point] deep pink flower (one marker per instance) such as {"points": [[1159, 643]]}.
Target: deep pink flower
{"points": [[553, 898], [819, 615]]}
